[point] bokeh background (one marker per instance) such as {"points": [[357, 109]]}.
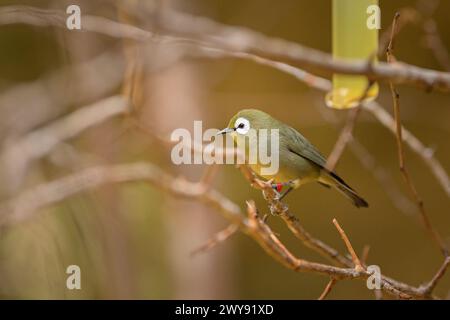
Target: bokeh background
{"points": [[133, 241]]}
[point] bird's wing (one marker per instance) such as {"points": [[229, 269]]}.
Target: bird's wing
{"points": [[299, 145]]}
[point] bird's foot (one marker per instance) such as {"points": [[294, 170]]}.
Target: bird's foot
{"points": [[268, 197], [278, 187]]}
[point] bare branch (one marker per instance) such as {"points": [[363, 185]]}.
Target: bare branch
{"points": [[237, 39], [347, 132], [397, 288], [327, 289], [356, 262], [209, 175]]}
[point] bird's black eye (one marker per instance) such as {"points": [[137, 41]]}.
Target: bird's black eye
{"points": [[241, 125]]}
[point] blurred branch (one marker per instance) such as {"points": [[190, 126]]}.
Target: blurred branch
{"points": [[344, 138], [327, 289], [380, 173], [216, 39], [52, 94], [233, 51], [425, 153], [429, 287], [356, 262], [251, 42], [219, 237], [237, 40], [401, 155], [322, 84], [365, 254], [433, 40], [57, 18], [16, 156], [293, 223], [24, 205]]}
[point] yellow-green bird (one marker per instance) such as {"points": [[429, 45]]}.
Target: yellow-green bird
{"points": [[299, 161]]}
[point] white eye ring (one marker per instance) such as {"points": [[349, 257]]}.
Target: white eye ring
{"points": [[242, 125]]}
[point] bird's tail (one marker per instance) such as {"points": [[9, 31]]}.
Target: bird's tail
{"points": [[333, 180]]}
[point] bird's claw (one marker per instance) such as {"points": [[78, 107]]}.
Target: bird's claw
{"points": [[277, 196], [277, 209]]}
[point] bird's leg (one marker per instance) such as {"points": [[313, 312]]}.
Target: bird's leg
{"points": [[284, 194], [279, 186]]}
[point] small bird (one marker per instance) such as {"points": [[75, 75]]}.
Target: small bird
{"points": [[299, 161]]}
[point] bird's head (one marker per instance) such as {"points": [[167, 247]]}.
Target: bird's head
{"points": [[245, 120]]}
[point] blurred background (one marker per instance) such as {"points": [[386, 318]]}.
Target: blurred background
{"points": [[133, 241]]}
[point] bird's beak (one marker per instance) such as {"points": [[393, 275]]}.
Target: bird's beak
{"points": [[224, 131]]}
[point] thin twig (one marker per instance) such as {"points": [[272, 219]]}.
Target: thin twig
{"points": [[25, 204], [344, 138], [347, 131], [355, 259], [429, 287], [293, 222], [379, 172], [16, 157], [327, 289], [307, 239], [433, 39], [236, 39], [218, 238]]}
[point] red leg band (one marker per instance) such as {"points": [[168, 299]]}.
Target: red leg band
{"points": [[279, 187]]}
